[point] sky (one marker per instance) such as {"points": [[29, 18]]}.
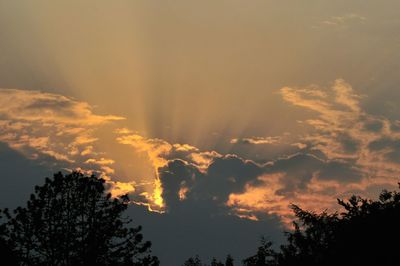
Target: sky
{"points": [[214, 116]]}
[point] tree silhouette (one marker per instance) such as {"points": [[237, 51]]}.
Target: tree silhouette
{"points": [[193, 262], [71, 220], [265, 255], [215, 262], [366, 233], [229, 261], [6, 248], [196, 261]]}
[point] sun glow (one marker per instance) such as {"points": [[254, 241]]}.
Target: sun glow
{"points": [[157, 194]]}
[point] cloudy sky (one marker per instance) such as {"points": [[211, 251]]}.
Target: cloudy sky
{"points": [[214, 116]]}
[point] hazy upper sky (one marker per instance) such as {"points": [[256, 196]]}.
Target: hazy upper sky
{"points": [[215, 115]]}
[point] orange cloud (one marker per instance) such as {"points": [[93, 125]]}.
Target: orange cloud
{"points": [[257, 140], [46, 123], [159, 152], [345, 135], [346, 151]]}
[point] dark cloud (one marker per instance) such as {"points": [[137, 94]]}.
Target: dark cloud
{"points": [[374, 125], [176, 177], [389, 147], [229, 175], [298, 169], [201, 222], [232, 185], [349, 143], [340, 170], [383, 143], [225, 175]]}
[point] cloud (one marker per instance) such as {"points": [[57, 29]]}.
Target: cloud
{"points": [[159, 153], [342, 130], [343, 21], [345, 150], [38, 123], [30, 106], [55, 131], [62, 131], [292, 180], [101, 161], [231, 184], [257, 140]]}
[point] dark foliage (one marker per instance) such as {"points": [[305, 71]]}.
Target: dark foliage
{"points": [[71, 220], [265, 255], [229, 261], [366, 233], [7, 253], [196, 261], [215, 262]]}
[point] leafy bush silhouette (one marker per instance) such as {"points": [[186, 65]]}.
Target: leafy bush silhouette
{"points": [[366, 233], [71, 220]]}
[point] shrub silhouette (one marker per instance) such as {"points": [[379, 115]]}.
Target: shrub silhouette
{"points": [[71, 220], [366, 233]]}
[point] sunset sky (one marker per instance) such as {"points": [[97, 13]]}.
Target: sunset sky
{"points": [[214, 116]]}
